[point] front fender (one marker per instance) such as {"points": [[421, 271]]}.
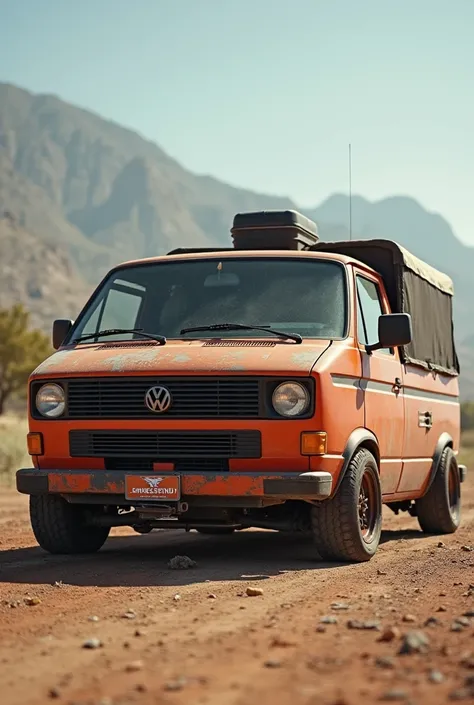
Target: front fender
{"points": [[359, 438]]}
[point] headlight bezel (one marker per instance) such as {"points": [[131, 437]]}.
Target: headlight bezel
{"points": [[306, 398], [56, 412]]}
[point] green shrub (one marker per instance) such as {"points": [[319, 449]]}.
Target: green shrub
{"points": [[13, 451]]}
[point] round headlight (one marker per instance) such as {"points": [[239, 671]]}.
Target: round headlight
{"points": [[51, 401], [290, 399]]}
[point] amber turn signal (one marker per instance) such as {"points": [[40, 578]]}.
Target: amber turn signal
{"points": [[313, 443], [35, 443]]}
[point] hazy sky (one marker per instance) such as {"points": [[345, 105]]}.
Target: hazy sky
{"points": [[267, 94]]}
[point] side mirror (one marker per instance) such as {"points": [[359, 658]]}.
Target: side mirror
{"points": [[61, 328], [394, 331]]}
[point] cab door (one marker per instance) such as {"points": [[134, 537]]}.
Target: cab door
{"points": [[381, 382]]}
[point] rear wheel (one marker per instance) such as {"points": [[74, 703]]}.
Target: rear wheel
{"points": [[60, 527], [439, 511], [348, 527]]}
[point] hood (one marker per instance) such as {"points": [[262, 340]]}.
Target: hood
{"points": [[184, 357]]}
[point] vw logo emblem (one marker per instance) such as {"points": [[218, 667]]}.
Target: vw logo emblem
{"points": [[158, 399]]}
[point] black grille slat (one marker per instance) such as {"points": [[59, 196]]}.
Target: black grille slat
{"points": [[106, 398], [165, 445]]}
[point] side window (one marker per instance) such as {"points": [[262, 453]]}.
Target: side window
{"points": [[369, 308]]}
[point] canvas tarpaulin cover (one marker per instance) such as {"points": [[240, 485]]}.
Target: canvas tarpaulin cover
{"points": [[412, 287]]}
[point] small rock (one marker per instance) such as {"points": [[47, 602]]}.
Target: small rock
{"points": [[435, 677], [181, 563], [340, 606], [141, 688], [464, 621], [212, 596], [329, 619], [139, 632], [443, 594], [281, 643], [469, 614], [461, 694], [321, 628], [93, 618], [442, 608], [432, 622], [32, 601], [389, 634], [134, 666], [54, 693], [92, 644], [467, 549], [381, 572], [253, 592], [395, 695], [129, 614], [177, 598], [414, 643], [175, 685], [409, 618], [272, 663], [386, 662], [368, 625], [467, 661], [58, 584], [441, 544]]}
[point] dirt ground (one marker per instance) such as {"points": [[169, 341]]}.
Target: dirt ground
{"points": [[180, 637]]}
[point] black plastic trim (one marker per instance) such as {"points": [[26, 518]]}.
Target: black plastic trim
{"points": [[443, 441], [358, 438]]}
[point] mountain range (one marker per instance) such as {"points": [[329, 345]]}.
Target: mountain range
{"points": [[79, 193]]}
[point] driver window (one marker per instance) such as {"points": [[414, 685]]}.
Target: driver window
{"points": [[119, 310], [369, 308]]}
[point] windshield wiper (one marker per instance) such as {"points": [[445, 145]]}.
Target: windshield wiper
{"points": [[118, 331], [241, 326]]}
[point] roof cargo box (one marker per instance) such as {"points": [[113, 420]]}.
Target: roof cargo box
{"points": [[273, 230], [412, 287]]}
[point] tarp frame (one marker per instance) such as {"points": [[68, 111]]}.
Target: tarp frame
{"points": [[413, 287]]}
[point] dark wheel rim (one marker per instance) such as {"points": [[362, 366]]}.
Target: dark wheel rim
{"points": [[368, 506], [454, 490]]}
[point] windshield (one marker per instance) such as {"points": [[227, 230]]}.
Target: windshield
{"points": [[307, 297]]}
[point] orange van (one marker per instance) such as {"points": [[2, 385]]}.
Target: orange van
{"points": [[281, 383]]}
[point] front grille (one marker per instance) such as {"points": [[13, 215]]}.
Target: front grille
{"points": [[165, 445], [191, 398]]}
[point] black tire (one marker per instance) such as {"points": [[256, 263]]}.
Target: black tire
{"points": [[217, 531], [439, 511], [348, 526], [60, 527]]}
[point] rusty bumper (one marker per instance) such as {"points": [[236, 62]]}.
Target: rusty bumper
{"points": [[308, 485]]}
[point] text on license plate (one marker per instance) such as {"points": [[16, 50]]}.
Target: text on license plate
{"points": [[165, 487]]}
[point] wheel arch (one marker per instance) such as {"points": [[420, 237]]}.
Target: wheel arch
{"points": [[444, 441], [359, 438]]}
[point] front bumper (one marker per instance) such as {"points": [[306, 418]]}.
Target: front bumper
{"points": [[107, 485]]}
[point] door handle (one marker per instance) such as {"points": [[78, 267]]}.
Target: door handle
{"points": [[397, 386], [425, 419]]}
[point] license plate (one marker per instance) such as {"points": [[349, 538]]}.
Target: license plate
{"points": [[153, 487]]}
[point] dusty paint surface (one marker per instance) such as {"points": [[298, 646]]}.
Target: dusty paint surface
{"points": [[182, 357]]}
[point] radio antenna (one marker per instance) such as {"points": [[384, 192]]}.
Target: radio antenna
{"points": [[350, 192]]}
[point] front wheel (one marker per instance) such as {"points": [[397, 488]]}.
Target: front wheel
{"points": [[61, 528], [439, 511], [348, 527]]}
